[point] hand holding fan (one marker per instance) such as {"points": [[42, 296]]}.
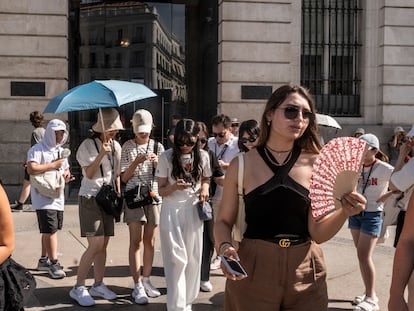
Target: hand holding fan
{"points": [[335, 172]]}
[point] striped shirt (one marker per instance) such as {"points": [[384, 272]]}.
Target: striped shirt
{"points": [[143, 172]]}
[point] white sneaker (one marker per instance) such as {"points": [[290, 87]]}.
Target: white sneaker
{"points": [[150, 290], [368, 304], [206, 286], [139, 295], [215, 263], [102, 291], [358, 299], [81, 295]]}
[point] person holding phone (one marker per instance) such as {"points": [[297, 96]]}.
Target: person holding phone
{"points": [[183, 174], [139, 157], [99, 156], [279, 251]]}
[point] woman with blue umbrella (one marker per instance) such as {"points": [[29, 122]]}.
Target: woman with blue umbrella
{"points": [[99, 156]]}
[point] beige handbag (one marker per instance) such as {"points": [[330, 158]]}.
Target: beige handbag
{"points": [[49, 184], [240, 225]]}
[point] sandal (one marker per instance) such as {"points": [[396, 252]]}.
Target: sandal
{"points": [[368, 304], [358, 299]]}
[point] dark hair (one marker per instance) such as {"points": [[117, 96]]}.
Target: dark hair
{"points": [[203, 128], [309, 141], [185, 130], [250, 127], [382, 156], [221, 119], [37, 119]]}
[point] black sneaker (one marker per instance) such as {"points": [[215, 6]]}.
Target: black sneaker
{"points": [[16, 206]]}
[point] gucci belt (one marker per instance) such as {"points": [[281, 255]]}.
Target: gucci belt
{"points": [[288, 242]]}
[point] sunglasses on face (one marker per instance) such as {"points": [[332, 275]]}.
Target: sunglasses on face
{"points": [[221, 135], [185, 143], [203, 140], [251, 139], [292, 113]]}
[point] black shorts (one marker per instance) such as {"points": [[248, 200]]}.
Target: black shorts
{"points": [[49, 220]]}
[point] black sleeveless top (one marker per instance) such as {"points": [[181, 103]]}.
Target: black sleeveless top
{"points": [[279, 206]]}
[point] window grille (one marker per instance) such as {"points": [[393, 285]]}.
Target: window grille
{"points": [[330, 55]]}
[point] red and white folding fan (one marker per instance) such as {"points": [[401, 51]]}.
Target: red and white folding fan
{"points": [[335, 172]]}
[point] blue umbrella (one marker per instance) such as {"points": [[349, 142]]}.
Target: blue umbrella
{"points": [[98, 94]]}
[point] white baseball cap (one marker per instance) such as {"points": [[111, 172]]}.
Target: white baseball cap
{"points": [[398, 129], [359, 130], [371, 140], [142, 121]]}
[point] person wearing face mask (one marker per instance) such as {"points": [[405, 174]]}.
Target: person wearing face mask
{"points": [[139, 159], [183, 174], [99, 157], [279, 249], [42, 157]]}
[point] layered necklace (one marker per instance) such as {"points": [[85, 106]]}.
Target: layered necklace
{"points": [[272, 159]]}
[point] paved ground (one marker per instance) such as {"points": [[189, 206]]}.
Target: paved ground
{"points": [[344, 280]]}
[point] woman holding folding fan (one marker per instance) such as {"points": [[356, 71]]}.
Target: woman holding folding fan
{"points": [[285, 266]]}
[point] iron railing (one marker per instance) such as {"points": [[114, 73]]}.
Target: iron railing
{"points": [[330, 55]]}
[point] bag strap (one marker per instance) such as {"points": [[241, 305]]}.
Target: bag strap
{"points": [[240, 174], [156, 153], [100, 166]]}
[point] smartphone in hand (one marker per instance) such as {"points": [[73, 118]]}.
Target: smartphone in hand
{"points": [[233, 266]]}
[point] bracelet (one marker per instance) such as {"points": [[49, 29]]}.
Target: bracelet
{"points": [[223, 246]]}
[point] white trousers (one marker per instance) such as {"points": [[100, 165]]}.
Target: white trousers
{"points": [[181, 236]]}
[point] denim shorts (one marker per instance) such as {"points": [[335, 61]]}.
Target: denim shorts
{"points": [[367, 222]]}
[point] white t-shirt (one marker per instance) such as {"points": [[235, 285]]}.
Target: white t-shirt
{"points": [[403, 180], [86, 154], [374, 180], [225, 152], [40, 155], [181, 197], [143, 171]]}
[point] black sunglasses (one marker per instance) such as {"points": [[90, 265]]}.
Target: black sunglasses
{"points": [[186, 143], [251, 139], [221, 135], [292, 113], [203, 140]]}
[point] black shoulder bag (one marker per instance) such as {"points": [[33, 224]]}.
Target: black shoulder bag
{"points": [[107, 197], [16, 285], [142, 194]]}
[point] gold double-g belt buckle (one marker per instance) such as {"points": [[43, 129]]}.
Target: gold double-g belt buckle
{"points": [[285, 243]]}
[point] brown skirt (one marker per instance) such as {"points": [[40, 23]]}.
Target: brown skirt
{"points": [[292, 278]]}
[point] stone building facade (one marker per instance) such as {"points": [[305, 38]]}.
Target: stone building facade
{"points": [[260, 47], [34, 68]]}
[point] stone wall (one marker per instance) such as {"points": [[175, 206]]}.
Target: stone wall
{"points": [[34, 49]]}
